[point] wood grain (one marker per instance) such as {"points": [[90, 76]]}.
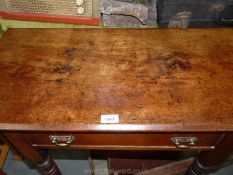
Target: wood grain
{"points": [[156, 80], [129, 141]]}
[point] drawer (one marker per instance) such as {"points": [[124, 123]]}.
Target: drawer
{"points": [[122, 141]]}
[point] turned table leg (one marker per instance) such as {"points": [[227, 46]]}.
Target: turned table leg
{"points": [[209, 161], [43, 162], [2, 173]]}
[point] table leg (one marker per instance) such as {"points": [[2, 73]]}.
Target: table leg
{"points": [[209, 161], [2, 173], [43, 162]]}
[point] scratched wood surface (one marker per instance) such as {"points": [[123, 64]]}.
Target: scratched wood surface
{"points": [[157, 80]]}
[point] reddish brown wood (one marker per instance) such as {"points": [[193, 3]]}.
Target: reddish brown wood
{"points": [[160, 82], [134, 141], [43, 162], [157, 80], [2, 173], [4, 149], [50, 18], [210, 161], [1, 141], [3, 154]]}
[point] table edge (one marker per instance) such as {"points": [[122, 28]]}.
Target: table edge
{"points": [[113, 128]]}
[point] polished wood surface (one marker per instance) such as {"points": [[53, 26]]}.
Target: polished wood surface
{"points": [[122, 141], [156, 80], [162, 83]]}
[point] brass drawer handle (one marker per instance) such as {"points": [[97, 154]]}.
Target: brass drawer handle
{"points": [[62, 141], [184, 142]]}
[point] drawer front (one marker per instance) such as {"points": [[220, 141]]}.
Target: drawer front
{"points": [[133, 141]]}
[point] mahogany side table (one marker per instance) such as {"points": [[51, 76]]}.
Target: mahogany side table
{"points": [[117, 89]]}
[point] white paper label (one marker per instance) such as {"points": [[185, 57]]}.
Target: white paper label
{"points": [[111, 118]]}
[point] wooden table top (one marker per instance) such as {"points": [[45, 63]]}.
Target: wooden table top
{"points": [[156, 80]]}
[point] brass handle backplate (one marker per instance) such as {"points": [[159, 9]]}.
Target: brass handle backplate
{"points": [[184, 142], [62, 141]]}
